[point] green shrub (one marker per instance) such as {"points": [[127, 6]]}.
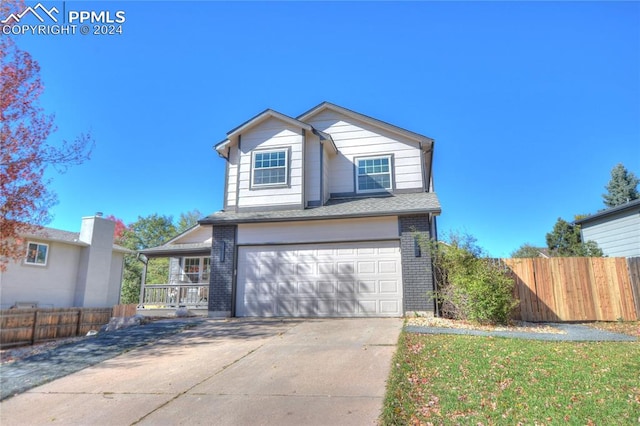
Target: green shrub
{"points": [[471, 286]]}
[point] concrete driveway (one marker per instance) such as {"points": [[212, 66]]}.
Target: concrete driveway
{"points": [[237, 372]]}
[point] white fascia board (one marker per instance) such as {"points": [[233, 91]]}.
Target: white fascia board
{"points": [[222, 146], [264, 116]]}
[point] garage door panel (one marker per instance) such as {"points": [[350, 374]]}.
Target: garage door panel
{"points": [[346, 252], [389, 306], [287, 288], [387, 286], [388, 267], [342, 279], [345, 268], [325, 268], [366, 251], [367, 307], [367, 287], [347, 307], [306, 288], [326, 287], [366, 267], [305, 269], [346, 287]]}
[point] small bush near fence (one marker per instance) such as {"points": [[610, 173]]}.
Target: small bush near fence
{"points": [[29, 326], [470, 285]]}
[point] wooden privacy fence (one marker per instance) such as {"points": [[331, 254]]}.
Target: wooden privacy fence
{"points": [[28, 326], [577, 288]]}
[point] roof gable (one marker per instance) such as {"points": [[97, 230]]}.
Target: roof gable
{"points": [[364, 118], [256, 120]]}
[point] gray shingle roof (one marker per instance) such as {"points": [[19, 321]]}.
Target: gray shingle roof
{"points": [[389, 205], [628, 206], [53, 234]]}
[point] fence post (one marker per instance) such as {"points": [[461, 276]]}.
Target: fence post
{"points": [[35, 327], [79, 322]]}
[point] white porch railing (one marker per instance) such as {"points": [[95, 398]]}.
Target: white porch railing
{"points": [[175, 295]]}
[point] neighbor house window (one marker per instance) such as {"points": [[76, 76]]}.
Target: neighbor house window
{"points": [[270, 168], [374, 174], [196, 269], [37, 254]]}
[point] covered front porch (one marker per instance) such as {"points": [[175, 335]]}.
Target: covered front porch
{"points": [[187, 280]]}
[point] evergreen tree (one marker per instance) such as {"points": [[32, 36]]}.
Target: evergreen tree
{"points": [[565, 241], [622, 188]]}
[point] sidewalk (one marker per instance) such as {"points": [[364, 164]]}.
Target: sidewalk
{"points": [[570, 332]]}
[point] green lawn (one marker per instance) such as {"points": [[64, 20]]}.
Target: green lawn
{"points": [[449, 379]]}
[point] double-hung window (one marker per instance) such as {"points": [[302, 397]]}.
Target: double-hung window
{"points": [[37, 254], [374, 174], [270, 168]]}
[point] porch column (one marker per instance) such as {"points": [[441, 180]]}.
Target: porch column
{"points": [[222, 276], [143, 279]]}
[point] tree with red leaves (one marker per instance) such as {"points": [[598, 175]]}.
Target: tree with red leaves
{"points": [[120, 228], [25, 198]]}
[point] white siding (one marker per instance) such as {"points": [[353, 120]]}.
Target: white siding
{"points": [[334, 230], [356, 139], [325, 172], [272, 133], [200, 234], [617, 236], [232, 178], [312, 168]]}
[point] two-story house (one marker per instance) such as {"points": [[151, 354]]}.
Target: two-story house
{"points": [[321, 218]]}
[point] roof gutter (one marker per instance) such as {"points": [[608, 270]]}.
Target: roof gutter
{"points": [[213, 221]]}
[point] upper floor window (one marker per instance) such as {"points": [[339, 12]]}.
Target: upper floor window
{"points": [[37, 254], [374, 174], [270, 168]]}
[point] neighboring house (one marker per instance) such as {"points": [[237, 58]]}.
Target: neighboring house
{"points": [[64, 269], [615, 230], [321, 218]]}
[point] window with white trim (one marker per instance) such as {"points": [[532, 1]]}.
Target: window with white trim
{"points": [[37, 254], [374, 174], [196, 269], [269, 168]]}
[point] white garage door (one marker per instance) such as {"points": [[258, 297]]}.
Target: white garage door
{"points": [[320, 280]]}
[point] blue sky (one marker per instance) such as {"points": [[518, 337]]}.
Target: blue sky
{"points": [[530, 104]]}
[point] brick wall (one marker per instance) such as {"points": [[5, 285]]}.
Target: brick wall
{"points": [[221, 277], [416, 265]]}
